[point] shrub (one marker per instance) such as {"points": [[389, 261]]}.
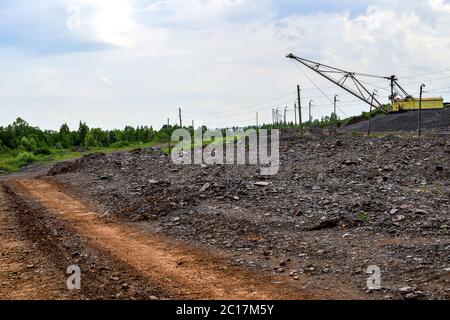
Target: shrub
{"points": [[120, 144], [43, 151], [90, 140], [3, 148], [33, 144], [25, 143], [361, 217], [26, 157], [6, 167]]}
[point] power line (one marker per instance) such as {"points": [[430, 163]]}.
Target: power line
{"points": [[266, 118], [425, 74], [384, 81], [428, 80], [249, 106], [443, 90], [304, 73], [374, 85], [246, 111], [234, 113]]}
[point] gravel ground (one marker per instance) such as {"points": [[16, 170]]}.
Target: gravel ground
{"points": [[338, 205]]}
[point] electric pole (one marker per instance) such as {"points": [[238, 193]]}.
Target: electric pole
{"points": [[179, 114], [420, 109], [335, 114], [257, 125], [277, 116], [392, 78], [370, 111], [285, 109], [170, 138], [310, 118], [295, 113], [299, 109]]}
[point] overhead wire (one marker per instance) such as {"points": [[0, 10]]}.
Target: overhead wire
{"points": [[304, 73], [246, 111]]}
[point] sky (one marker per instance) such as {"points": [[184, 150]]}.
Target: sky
{"points": [[113, 63]]}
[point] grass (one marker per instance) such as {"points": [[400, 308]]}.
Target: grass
{"points": [[361, 217], [401, 135], [204, 143], [15, 160]]}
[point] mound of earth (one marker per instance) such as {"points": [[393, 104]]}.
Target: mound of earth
{"points": [[407, 121]]}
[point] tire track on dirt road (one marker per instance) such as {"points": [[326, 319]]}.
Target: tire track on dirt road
{"points": [[187, 271], [24, 272], [36, 249]]}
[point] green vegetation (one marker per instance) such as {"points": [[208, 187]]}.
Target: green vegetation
{"points": [[361, 217], [22, 144]]}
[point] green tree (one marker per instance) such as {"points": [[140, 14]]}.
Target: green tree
{"points": [[25, 143], [2, 146], [20, 127], [129, 134], [64, 136], [33, 144], [83, 130], [90, 140], [113, 137]]}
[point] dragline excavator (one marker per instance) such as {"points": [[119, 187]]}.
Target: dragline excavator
{"points": [[400, 99]]}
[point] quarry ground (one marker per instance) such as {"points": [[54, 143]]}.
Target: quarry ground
{"points": [[141, 227]]}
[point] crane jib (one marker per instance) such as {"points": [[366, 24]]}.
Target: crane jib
{"points": [[361, 91]]}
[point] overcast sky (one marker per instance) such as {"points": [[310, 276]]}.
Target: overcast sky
{"points": [[118, 62]]}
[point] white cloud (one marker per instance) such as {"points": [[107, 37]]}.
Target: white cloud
{"points": [[114, 22], [440, 5]]}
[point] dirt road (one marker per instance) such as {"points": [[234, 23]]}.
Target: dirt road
{"points": [[69, 232]]}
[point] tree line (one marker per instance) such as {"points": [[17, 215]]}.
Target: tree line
{"points": [[22, 135]]}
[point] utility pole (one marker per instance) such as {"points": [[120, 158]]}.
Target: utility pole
{"points": [[392, 90], [257, 125], [295, 113], [310, 118], [170, 138], [193, 128], [420, 109], [285, 109], [370, 111], [335, 114], [179, 114], [299, 109]]}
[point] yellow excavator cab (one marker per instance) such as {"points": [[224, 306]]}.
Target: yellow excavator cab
{"points": [[413, 104]]}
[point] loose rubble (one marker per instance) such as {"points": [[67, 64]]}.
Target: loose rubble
{"points": [[337, 205]]}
